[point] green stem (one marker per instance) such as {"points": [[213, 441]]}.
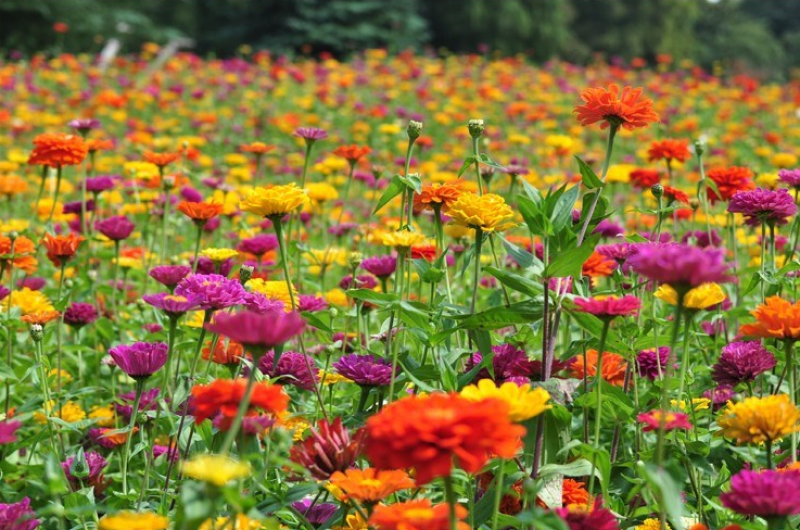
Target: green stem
{"points": [[599, 389], [243, 406], [55, 196], [450, 495], [667, 372], [476, 153], [129, 434], [498, 493], [789, 349], [114, 286], [197, 247], [612, 132], [477, 271], [173, 326]]}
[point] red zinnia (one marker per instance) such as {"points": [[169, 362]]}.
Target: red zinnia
{"points": [[644, 179], [673, 195], [221, 398], [609, 106], [416, 515], [161, 159], [352, 153], [669, 150], [200, 212], [729, 181]]}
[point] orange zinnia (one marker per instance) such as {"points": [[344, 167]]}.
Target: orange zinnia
{"points": [[22, 256], [673, 195], [95, 145], [371, 485], [729, 181], [416, 515], [12, 185], [776, 318], [58, 149], [41, 317], [574, 492], [437, 196], [611, 107], [432, 433], [200, 212], [613, 367], [61, 249], [257, 148], [230, 354], [669, 150], [598, 266], [352, 153], [161, 159], [220, 400]]}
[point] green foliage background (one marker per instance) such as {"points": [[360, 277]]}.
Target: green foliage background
{"points": [[762, 36]]}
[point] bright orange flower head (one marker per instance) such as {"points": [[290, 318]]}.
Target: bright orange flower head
{"points": [[200, 212], [219, 400], [257, 148], [416, 515], [58, 149], [61, 249], [674, 194], [598, 266], [95, 144], [371, 485], [729, 181], [161, 159], [432, 433], [613, 367], [574, 492], [225, 354], [22, 256], [626, 109], [669, 150], [12, 185], [40, 317], [352, 153], [776, 318], [434, 196]]}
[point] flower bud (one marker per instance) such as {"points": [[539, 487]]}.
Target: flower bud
{"points": [[355, 259], [476, 128], [79, 468], [694, 204], [169, 182], [699, 147], [657, 190], [37, 332], [245, 273], [13, 235], [414, 129]]}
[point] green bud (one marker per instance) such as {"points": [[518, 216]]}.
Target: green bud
{"points": [[245, 273], [79, 468], [355, 259], [699, 147], [414, 129], [37, 332], [657, 190], [476, 128]]}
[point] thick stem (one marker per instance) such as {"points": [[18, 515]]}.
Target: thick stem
{"points": [[450, 496], [197, 247], [477, 271], [243, 406], [55, 196], [476, 153], [498, 493]]}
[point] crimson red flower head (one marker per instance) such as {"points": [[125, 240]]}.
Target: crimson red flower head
{"points": [[328, 449], [668, 150]]}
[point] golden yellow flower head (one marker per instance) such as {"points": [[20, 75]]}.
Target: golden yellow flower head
{"points": [[701, 297], [104, 415], [218, 255], [697, 404], [134, 521], [274, 290], [70, 412], [215, 469], [651, 524], [757, 420], [321, 192], [274, 202], [523, 401], [330, 378], [29, 301], [239, 522], [488, 212], [402, 239]]}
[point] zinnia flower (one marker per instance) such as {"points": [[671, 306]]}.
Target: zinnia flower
{"points": [[170, 275], [435, 432], [218, 470], [310, 134], [613, 367], [352, 153], [8, 431], [380, 266], [437, 196], [766, 493], [595, 517], [160, 159], [328, 449], [212, 291], [219, 400], [365, 370], [508, 364], [668, 150], [58, 149], [488, 212], [18, 516], [763, 206], [115, 228], [18, 254], [523, 402], [609, 307], [757, 420], [701, 297], [79, 314], [274, 202], [416, 515], [293, 368], [729, 181], [371, 485], [652, 364], [133, 521], [627, 109], [672, 420], [776, 318], [644, 179], [742, 362], [200, 212], [61, 249], [681, 266], [258, 332], [140, 360]]}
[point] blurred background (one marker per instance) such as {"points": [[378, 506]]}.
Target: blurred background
{"points": [[760, 37]]}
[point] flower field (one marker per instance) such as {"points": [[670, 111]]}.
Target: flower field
{"points": [[396, 293]]}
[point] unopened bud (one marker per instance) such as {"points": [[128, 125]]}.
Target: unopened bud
{"points": [[355, 259], [694, 204], [169, 182], [414, 129], [13, 235], [79, 468], [699, 147], [245, 273], [657, 190], [37, 332], [476, 128]]}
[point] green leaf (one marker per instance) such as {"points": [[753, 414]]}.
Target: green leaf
{"points": [[516, 282], [500, 317], [666, 490], [467, 162], [486, 161], [594, 326], [395, 188], [315, 321], [373, 297], [532, 214], [518, 254], [588, 176], [570, 262], [562, 212]]}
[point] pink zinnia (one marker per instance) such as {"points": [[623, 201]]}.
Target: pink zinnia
{"points": [[8, 431], [258, 331], [672, 420], [763, 206], [596, 518], [681, 266], [609, 307], [140, 360], [766, 493]]}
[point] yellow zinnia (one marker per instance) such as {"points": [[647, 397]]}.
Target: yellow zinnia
{"points": [[757, 420], [240, 522], [218, 255], [273, 290], [215, 469], [274, 202], [488, 212], [523, 401], [133, 521], [701, 297], [29, 301], [402, 239]]}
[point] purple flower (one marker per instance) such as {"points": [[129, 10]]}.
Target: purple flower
{"points": [[719, 396], [4, 291], [508, 362], [310, 134], [173, 305], [342, 229], [651, 364], [92, 473], [681, 266], [170, 275], [380, 266], [159, 450], [362, 281], [717, 327], [18, 516], [293, 369], [115, 228], [790, 177], [763, 206], [206, 266], [258, 303], [766, 493], [212, 291], [311, 303], [34, 283], [742, 362], [84, 125], [100, 183], [258, 245], [607, 228], [8, 431], [316, 514], [190, 194], [148, 401], [76, 207], [702, 238], [365, 370], [140, 360], [617, 251], [79, 314], [258, 331]]}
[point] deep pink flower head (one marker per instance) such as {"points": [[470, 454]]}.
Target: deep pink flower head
{"points": [[170, 275], [148, 401], [294, 368], [258, 303], [681, 266], [140, 360], [609, 307], [652, 364], [8, 432], [173, 305], [115, 228], [84, 125], [258, 332], [365, 370], [380, 266], [95, 464], [310, 134], [598, 518], [791, 177], [741, 362], [258, 245], [311, 303], [652, 420], [99, 184], [213, 291], [765, 493], [761, 205], [79, 314], [509, 364], [18, 516]]}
